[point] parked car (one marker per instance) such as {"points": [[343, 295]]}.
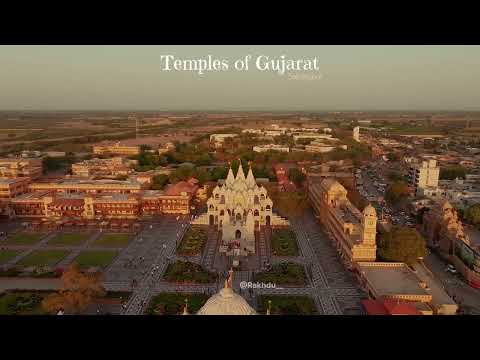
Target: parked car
{"points": [[451, 269]]}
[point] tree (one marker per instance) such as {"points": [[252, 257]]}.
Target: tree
{"points": [[159, 181], [289, 204], [453, 172], [402, 244], [396, 191], [472, 214], [296, 176], [78, 291]]}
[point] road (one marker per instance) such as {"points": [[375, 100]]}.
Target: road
{"points": [[467, 297]]}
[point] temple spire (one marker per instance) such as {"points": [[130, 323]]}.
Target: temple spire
{"points": [[250, 178], [230, 178], [185, 309], [240, 173]]}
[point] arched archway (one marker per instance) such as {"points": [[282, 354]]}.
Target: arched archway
{"points": [[211, 220], [238, 234], [222, 199], [256, 213], [267, 220], [238, 217], [222, 212], [268, 208]]}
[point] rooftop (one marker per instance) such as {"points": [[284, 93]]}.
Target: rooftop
{"points": [[390, 279]]}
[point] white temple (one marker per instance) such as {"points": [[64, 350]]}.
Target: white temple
{"points": [[239, 207]]}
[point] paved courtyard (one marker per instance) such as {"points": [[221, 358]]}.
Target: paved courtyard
{"points": [[140, 265]]}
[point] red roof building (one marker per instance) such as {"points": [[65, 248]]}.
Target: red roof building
{"points": [[389, 307], [190, 187]]}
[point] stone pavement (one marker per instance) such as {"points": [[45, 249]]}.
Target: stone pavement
{"points": [[168, 233]]}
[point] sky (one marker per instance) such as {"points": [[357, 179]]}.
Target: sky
{"points": [[131, 78]]}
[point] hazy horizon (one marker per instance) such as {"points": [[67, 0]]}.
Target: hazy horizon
{"points": [[129, 78]]}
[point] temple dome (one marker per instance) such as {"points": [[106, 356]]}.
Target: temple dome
{"points": [[226, 302]]}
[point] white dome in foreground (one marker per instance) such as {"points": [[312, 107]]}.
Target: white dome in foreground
{"points": [[226, 302]]}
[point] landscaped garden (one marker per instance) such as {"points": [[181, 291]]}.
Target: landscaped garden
{"points": [[22, 303], [7, 255], [193, 242], [24, 238], [188, 272], [283, 274], [95, 258], [287, 305], [113, 240], [69, 239], [43, 258], [284, 243], [174, 303]]}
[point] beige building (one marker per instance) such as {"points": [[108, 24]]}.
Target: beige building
{"points": [[21, 167], [110, 167], [116, 148], [356, 133], [396, 281], [271, 147], [424, 177], [353, 232], [444, 230], [90, 186]]}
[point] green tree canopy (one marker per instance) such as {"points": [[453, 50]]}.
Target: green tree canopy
{"points": [[396, 191], [159, 181], [296, 176], [452, 172], [401, 244], [472, 214]]}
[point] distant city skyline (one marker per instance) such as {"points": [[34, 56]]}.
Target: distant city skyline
{"points": [[129, 78]]}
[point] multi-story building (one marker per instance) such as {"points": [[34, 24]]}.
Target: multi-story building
{"points": [[353, 232], [444, 230], [21, 167], [424, 177], [271, 147], [398, 283], [69, 186], [116, 148], [318, 146], [110, 167], [219, 139], [52, 205], [12, 187]]}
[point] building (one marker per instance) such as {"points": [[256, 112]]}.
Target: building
{"points": [[12, 187], [353, 232], [155, 202], [21, 167], [396, 282], [318, 146], [69, 186], [390, 307], [424, 177], [219, 139], [116, 148], [318, 136], [271, 147], [238, 208], [356, 133], [166, 148], [444, 230], [101, 167]]}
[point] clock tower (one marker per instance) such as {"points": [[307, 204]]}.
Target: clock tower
{"points": [[369, 225]]}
